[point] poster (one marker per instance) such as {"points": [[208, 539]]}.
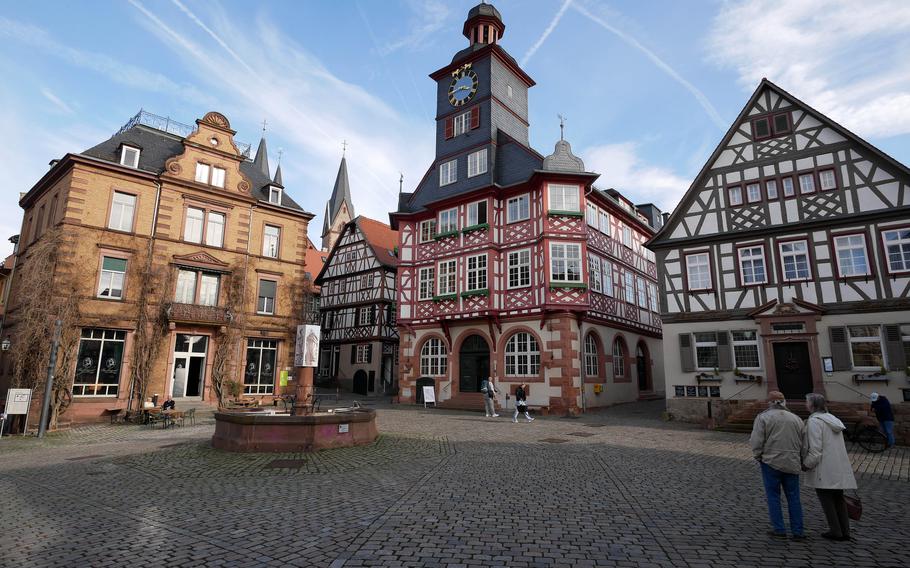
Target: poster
{"points": [[306, 350], [17, 401], [283, 379]]}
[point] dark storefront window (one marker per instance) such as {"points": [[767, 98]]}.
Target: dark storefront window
{"points": [[99, 362], [259, 373]]}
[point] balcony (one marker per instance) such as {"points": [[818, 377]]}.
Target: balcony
{"points": [[193, 313]]}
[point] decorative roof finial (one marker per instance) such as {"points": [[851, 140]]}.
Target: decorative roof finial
{"points": [[264, 124], [562, 125], [400, 182], [344, 147], [280, 152]]}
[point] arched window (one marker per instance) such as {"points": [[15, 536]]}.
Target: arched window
{"points": [[522, 355], [433, 358], [591, 365], [619, 357]]}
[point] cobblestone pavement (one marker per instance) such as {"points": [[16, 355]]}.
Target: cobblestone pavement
{"points": [[439, 488]]}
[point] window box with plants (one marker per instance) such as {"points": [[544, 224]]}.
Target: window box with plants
{"points": [[445, 235], [560, 213], [741, 377], [445, 297], [880, 376], [478, 227], [709, 377], [470, 293], [562, 285]]}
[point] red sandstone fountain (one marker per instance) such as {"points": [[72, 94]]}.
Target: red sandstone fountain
{"points": [[300, 430]]}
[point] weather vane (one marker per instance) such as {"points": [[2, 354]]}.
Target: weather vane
{"points": [[400, 182], [562, 125], [264, 124]]}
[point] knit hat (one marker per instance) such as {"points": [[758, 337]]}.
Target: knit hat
{"points": [[873, 397]]}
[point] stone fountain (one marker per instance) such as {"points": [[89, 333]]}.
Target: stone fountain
{"points": [[300, 430]]}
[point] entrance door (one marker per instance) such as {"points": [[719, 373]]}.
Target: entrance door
{"points": [[794, 371], [473, 364], [360, 382], [386, 373], [189, 365], [641, 365]]}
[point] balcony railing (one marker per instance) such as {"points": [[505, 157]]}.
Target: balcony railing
{"points": [[166, 124], [194, 313]]}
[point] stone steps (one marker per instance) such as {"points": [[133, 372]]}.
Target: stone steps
{"points": [[743, 420]]}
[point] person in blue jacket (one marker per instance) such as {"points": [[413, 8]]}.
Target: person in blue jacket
{"points": [[882, 407]]}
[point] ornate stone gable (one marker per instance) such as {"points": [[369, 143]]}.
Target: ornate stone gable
{"points": [[200, 259]]}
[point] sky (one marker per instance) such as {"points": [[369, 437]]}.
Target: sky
{"points": [[647, 88]]}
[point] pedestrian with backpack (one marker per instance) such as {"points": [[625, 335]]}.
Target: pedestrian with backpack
{"points": [[521, 402], [489, 391]]}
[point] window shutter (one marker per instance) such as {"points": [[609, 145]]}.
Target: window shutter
{"points": [[686, 357], [450, 127], [894, 348], [481, 212], [475, 117], [840, 348], [353, 354], [369, 353], [724, 352]]}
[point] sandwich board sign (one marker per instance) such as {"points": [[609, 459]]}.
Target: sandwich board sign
{"points": [[17, 402], [429, 395]]}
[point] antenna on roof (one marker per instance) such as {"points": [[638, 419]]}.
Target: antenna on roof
{"points": [[562, 125]]}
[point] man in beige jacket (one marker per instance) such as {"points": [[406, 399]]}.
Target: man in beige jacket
{"points": [[776, 440]]}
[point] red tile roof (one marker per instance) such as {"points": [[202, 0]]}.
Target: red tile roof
{"points": [[382, 238]]}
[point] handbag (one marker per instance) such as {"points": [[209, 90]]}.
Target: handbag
{"points": [[854, 506]]}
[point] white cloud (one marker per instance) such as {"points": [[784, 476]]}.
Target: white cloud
{"points": [[427, 18], [56, 101], [848, 60], [260, 72], [621, 168], [546, 33]]}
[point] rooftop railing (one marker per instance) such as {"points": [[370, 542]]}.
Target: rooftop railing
{"points": [[167, 124]]}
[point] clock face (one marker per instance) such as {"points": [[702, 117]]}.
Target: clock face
{"points": [[463, 88]]}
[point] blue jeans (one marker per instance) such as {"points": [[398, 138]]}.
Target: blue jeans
{"points": [[774, 479], [888, 429]]}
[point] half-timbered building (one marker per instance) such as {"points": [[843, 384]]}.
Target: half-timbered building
{"points": [[511, 263], [359, 349], [786, 266]]}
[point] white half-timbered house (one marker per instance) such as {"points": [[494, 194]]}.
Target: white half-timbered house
{"points": [[359, 348], [512, 264], [786, 266]]}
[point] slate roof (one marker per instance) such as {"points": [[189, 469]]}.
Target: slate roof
{"points": [[340, 193], [157, 147], [484, 9]]}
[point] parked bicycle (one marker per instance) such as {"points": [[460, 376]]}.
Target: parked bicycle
{"points": [[867, 435]]}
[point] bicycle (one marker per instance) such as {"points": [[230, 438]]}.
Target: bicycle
{"points": [[868, 436]]}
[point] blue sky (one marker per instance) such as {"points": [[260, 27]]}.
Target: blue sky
{"points": [[648, 88]]}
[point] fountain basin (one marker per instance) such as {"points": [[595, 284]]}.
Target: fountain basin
{"points": [[261, 432]]}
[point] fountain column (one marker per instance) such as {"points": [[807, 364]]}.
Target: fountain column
{"points": [[304, 395]]}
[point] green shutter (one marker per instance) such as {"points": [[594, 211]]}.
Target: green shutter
{"points": [[686, 357], [840, 348]]}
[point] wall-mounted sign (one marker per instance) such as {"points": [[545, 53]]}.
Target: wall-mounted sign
{"points": [[828, 365], [283, 378], [343, 428]]}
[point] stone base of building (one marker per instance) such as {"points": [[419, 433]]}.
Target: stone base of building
{"points": [[261, 432]]}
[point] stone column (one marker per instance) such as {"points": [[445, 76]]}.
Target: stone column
{"points": [[304, 394]]}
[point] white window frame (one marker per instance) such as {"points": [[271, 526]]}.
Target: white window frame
{"points": [[477, 163], [788, 186], [461, 123], [619, 359], [265, 348], [592, 362], [365, 315], [426, 283], [218, 176], [448, 172], [652, 297], [215, 228], [753, 192], [628, 280], [271, 244], [699, 273], [849, 248], [604, 221], [362, 354], [132, 152], [746, 343], [705, 343], [735, 195], [626, 236], [203, 171], [522, 210], [794, 255], [570, 254], [771, 189], [476, 270], [427, 230], [112, 280], [807, 183], [753, 259], [871, 339], [434, 358], [185, 290], [98, 388], [591, 214], [275, 195], [124, 205], [473, 211], [448, 221], [606, 268], [447, 278], [194, 225], [595, 278], [822, 175], [519, 267], [564, 197], [268, 308], [642, 292], [209, 286], [522, 355], [902, 243]]}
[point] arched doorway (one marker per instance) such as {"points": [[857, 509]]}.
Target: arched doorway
{"points": [[641, 364], [473, 363]]}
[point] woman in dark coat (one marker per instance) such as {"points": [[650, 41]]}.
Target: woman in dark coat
{"points": [[521, 402]]}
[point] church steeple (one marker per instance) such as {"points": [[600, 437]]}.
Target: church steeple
{"points": [[339, 209], [484, 24], [262, 159]]}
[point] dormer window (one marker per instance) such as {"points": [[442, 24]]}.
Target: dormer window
{"points": [[275, 195], [129, 156]]}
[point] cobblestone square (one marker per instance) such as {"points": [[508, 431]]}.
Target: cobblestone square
{"points": [[439, 488]]}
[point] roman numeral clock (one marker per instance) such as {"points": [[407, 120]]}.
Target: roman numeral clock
{"points": [[464, 85]]}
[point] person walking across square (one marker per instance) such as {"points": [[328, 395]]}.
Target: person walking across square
{"points": [[777, 437], [882, 408], [521, 402], [489, 392]]}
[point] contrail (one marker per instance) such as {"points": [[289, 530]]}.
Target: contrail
{"points": [[546, 33], [661, 64]]}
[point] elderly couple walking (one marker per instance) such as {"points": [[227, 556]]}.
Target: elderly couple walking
{"points": [[784, 447]]}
